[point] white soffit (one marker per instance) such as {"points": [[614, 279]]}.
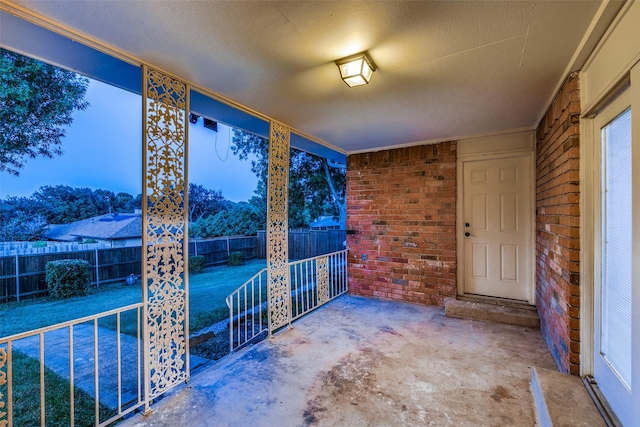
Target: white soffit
{"points": [[446, 69]]}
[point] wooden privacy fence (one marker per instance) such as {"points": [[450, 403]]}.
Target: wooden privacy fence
{"points": [[216, 251], [24, 275], [32, 248], [305, 244]]}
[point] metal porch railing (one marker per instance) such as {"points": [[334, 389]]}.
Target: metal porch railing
{"points": [[248, 311], [100, 356], [98, 360], [314, 282]]}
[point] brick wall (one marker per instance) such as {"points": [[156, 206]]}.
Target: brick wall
{"points": [[557, 226], [401, 222]]}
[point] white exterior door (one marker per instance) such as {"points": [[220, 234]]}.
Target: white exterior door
{"points": [[497, 218], [616, 320]]}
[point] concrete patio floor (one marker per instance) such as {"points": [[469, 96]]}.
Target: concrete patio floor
{"points": [[365, 362]]}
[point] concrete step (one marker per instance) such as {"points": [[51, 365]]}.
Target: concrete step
{"points": [[497, 301], [516, 313], [562, 400]]}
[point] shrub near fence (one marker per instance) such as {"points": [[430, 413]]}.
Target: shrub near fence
{"points": [[68, 277], [24, 275]]}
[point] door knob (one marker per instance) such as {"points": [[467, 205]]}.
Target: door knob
{"points": [[467, 234], [466, 224]]}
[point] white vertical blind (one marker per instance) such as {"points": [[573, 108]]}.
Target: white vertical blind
{"points": [[615, 344]]}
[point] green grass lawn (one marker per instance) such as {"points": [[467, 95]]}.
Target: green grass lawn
{"points": [[207, 293], [209, 290], [26, 393]]}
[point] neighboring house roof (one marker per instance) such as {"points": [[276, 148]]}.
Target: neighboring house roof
{"points": [[325, 221], [103, 227]]}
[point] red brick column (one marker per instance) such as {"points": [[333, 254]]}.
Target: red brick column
{"points": [[558, 226], [401, 223]]}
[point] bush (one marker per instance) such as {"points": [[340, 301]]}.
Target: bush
{"points": [[68, 277], [235, 258], [39, 244], [196, 264]]}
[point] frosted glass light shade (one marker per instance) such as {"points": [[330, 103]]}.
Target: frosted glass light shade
{"points": [[356, 70]]}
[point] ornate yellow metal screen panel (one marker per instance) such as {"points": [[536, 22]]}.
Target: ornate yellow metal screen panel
{"points": [[277, 228], [164, 245], [322, 279], [5, 393]]}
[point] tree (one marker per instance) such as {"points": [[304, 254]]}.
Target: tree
{"points": [[36, 105], [21, 219], [125, 202], [103, 200], [204, 202], [242, 219], [11, 205], [315, 188], [25, 218], [23, 227], [62, 204]]}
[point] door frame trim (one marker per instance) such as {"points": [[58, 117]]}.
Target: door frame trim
{"points": [[588, 163], [591, 238], [495, 148], [591, 224], [590, 175]]}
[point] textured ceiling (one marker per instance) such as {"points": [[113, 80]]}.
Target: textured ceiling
{"points": [[447, 69]]}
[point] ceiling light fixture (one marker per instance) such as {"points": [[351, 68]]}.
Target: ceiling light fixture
{"points": [[356, 70]]}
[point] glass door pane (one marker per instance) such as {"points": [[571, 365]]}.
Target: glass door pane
{"points": [[615, 342]]}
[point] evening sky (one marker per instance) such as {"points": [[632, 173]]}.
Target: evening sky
{"points": [[102, 149]]}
